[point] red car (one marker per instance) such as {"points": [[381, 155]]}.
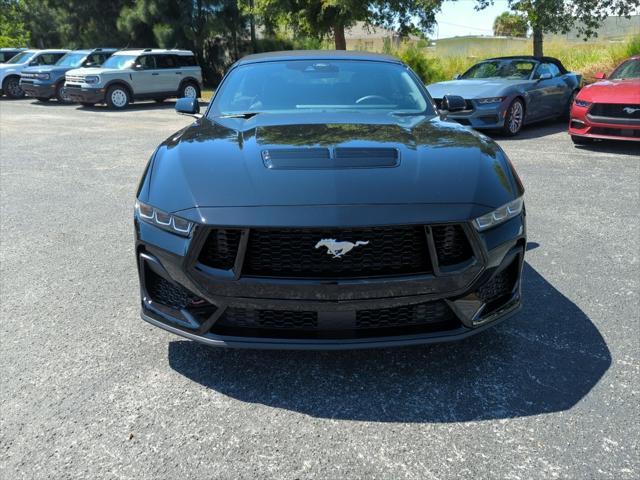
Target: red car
{"points": [[610, 108]]}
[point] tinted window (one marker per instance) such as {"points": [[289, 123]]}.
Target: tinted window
{"points": [[166, 61], [21, 57], [187, 61], [501, 69], [4, 56], [147, 62], [629, 69], [320, 85], [47, 58], [96, 59], [548, 68]]}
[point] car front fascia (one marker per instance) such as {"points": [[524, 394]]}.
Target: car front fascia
{"points": [[172, 256]]}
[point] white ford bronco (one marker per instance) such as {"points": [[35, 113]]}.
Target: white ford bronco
{"points": [[130, 75]]}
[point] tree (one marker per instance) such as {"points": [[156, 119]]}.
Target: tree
{"points": [[510, 25], [560, 16], [324, 18]]}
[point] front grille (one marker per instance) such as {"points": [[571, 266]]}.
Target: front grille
{"points": [[167, 293], [269, 319], [452, 245], [468, 104], [616, 132], [296, 253], [220, 248], [615, 110], [431, 313], [501, 285], [74, 78]]}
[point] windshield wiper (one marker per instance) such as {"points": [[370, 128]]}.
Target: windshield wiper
{"points": [[245, 115]]}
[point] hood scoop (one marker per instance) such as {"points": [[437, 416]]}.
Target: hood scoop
{"points": [[325, 158]]}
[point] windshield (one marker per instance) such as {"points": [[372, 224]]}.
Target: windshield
{"points": [[320, 86], [22, 57], [71, 60], [514, 69], [119, 62], [629, 69]]}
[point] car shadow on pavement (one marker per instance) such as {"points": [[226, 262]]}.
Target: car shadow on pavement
{"points": [[545, 359], [139, 106], [616, 147], [535, 130]]}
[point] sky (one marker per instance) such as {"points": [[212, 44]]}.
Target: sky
{"points": [[459, 18]]}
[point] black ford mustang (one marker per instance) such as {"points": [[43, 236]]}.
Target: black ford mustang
{"points": [[321, 202]]}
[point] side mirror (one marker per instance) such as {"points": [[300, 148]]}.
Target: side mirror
{"points": [[600, 76], [453, 103], [137, 66], [89, 64], [545, 76], [456, 76], [188, 106]]}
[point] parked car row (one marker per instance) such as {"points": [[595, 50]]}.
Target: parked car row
{"points": [[507, 93], [101, 75]]}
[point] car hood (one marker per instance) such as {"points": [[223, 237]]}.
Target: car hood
{"points": [[219, 163], [46, 69], [93, 71], [612, 91], [473, 88]]}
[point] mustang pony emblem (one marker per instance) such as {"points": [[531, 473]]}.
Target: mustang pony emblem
{"points": [[630, 110], [338, 249]]}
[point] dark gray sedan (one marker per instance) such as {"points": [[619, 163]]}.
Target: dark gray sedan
{"points": [[507, 93]]}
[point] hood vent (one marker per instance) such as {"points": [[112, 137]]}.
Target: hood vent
{"points": [[323, 158]]}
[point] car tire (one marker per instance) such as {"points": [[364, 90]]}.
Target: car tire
{"points": [[189, 90], [61, 96], [43, 99], [577, 140], [87, 104], [514, 118], [117, 97], [11, 87]]}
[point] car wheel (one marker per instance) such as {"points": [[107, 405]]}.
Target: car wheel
{"points": [[514, 119], [581, 140], [61, 94], [189, 90], [117, 97], [42, 99], [88, 105], [12, 89]]}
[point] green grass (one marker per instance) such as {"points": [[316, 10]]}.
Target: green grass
{"points": [[586, 58]]}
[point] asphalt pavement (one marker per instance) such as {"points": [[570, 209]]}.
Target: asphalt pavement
{"points": [[88, 390]]}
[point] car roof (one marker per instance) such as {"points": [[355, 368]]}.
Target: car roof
{"points": [[157, 51], [316, 55], [11, 49], [92, 50]]}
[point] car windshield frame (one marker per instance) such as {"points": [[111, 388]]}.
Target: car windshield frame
{"points": [[501, 64], [113, 59], [21, 57], [620, 68], [313, 65], [81, 56]]}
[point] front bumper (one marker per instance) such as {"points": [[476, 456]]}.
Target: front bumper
{"points": [[85, 94], [36, 89], [489, 117], [334, 304], [582, 124]]}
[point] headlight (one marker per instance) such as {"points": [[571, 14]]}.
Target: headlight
{"points": [[91, 79], [163, 220], [42, 76], [499, 215], [582, 103], [484, 101]]}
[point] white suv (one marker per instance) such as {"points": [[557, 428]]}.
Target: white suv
{"points": [[130, 75], [10, 71]]}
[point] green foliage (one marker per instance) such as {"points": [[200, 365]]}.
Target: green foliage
{"points": [[428, 69], [12, 29], [633, 46], [510, 25]]}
